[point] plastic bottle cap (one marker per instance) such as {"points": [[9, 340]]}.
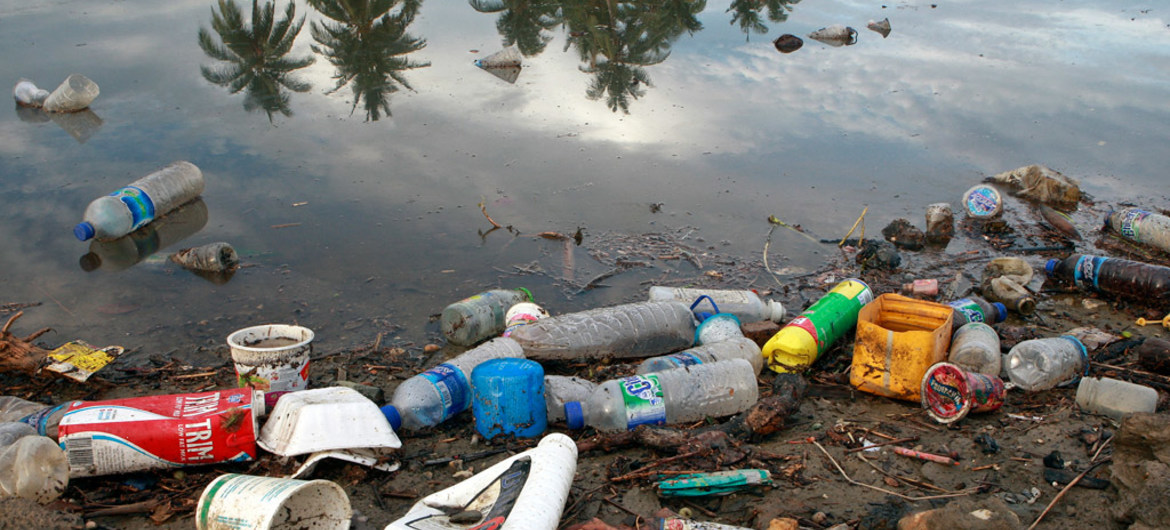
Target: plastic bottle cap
{"points": [[1050, 267], [777, 311], [718, 327], [1001, 311], [84, 231], [574, 416], [391, 413]]}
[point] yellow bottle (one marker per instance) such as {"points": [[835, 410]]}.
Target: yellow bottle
{"points": [[799, 343]]}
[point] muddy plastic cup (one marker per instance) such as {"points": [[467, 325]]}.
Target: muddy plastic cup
{"points": [[74, 94], [245, 501], [272, 357]]}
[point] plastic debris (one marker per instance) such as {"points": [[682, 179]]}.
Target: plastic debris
{"points": [[882, 26], [78, 360], [835, 35], [212, 257], [504, 64], [1039, 183], [788, 43], [716, 483]]}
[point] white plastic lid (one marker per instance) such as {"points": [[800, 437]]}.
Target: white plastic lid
{"points": [[777, 311]]}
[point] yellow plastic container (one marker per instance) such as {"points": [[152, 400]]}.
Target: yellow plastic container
{"points": [[898, 340]]}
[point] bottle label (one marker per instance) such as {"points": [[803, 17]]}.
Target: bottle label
{"points": [[982, 202], [1130, 222], [452, 387], [969, 309], [495, 502], [139, 203], [642, 395], [39, 420], [684, 359], [1086, 272]]}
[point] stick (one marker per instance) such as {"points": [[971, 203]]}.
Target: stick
{"points": [[645, 471], [483, 208], [1067, 487], [286, 225], [883, 490], [854, 227], [926, 456]]}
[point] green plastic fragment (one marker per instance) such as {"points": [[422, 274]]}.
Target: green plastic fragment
{"points": [[716, 483]]}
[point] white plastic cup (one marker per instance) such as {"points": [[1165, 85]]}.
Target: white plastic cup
{"points": [[272, 357], [245, 501]]}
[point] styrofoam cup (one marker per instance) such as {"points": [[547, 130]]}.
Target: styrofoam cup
{"points": [[272, 357], [246, 501]]}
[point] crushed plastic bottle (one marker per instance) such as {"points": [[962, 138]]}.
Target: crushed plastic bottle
{"points": [[143, 201], [725, 350], [799, 343], [212, 257], [27, 94], [638, 329], [1041, 364], [744, 304], [435, 395], [481, 316], [680, 395], [1114, 276], [975, 347], [1141, 226], [72, 95], [31, 466]]}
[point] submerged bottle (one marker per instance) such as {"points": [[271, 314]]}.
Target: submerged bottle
{"points": [[1041, 364], [1115, 398], [799, 343], [31, 466], [1118, 277], [478, 317], [744, 304], [561, 389], [143, 201], [976, 309], [637, 329], [1142, 226], [435, 395], [975, 348], [680, 395], [725, 350]]}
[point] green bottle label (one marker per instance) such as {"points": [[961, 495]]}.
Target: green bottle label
{"points": [[836, 312], [642, 395]]}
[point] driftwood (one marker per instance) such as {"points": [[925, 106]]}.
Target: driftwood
{"points": [[17, 353]]}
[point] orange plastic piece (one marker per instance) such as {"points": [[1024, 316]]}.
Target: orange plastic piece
{"points": [[898, 340]]}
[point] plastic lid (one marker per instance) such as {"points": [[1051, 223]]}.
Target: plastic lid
{"points": [[945, 394], [718, 327], [84, 231], [1050, 267], [777, 311], [1001, 311], [392, 416], [574, 416]]}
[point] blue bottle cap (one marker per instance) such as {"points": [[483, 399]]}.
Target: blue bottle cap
{"points": [[1000, 310], [574, 416], [391, 413], [1050, 267], [84, 231]]}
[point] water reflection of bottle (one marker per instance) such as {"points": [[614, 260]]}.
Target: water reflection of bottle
{"points": [[136, 246]]}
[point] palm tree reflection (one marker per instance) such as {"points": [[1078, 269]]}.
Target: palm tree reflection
{"points": [[255, 56], [523, 23], [746, 13], [368, 44]]}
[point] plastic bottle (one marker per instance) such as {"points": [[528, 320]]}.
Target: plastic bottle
{"points": [[522, 314], [1011, 294], [435, 395], [976, 309], [13, 408], [212, 257], [744, 304], [143, 201], [75, 93], [1142, 226], [638, 329], [1115, 398], [478, 317], [561, 389], [921, 287], [680, 395], [799, 343], [736, 348], [27, 94], [982, 202], [940, 223], [1040, 364], [1119, 277], [31, 466], [131, 249], [975, 348]]}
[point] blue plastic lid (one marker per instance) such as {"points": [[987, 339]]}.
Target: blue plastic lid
{"points": [[84, 231], [1001, 311], [391, 413], [574, 416], [721, 324], [1050, 267]]}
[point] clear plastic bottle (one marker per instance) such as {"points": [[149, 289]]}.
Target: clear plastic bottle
{"points": [[638, 329], [561, 389], [522, 314], [131, 249], [27, 94], [1118, 277], [1142, 226], [435, 395], [976, 309], [75, 93], [13, 408], [680, 395], [1115, 398], [800, 342], [31, 466], [143, 201], [735, 348], [975, 348], [744, 304], [1041, 364], [479, 317], [940, 223]]}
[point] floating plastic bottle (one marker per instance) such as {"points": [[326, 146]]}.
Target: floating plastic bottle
{"points": [[143, 201], [479, 317], [27, 94], [638, 329], [1115, 398], [31, 466], [1118, 277], [561, 389], [72, 95], [976, 309], [680, 395], [744, 304], [975, 348], [1041, 364], [735, 348], [1141, 226], [435, 395], [131, 249], [799, 343], [212, 257]]}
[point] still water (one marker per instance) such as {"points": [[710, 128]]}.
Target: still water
{"points": [[347, 156]]}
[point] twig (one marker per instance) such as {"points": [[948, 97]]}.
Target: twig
{"points": [[883, 490], [1067, 487], [646, 470], [854, 227], [54, 299], [195, 376], [483, 208], [286, 225]]}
